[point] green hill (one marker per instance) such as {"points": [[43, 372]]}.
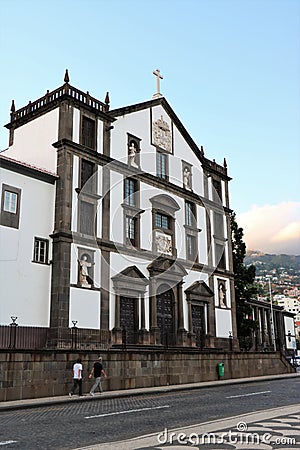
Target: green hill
{"points": [[269, 261]]}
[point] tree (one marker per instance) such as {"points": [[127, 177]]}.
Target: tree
{"points": [[245, 288]]}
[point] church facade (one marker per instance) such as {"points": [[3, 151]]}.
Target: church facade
{"points": [[114, 220]]}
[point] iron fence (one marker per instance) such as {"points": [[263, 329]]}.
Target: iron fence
{"points": [[38, 338]]}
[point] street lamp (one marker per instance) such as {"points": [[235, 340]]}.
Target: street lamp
{"points": [[272, 317]]}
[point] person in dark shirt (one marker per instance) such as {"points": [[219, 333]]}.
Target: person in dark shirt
{"points": [[97, 371]]}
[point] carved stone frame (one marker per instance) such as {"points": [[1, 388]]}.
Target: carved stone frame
{"points": [[200, 294], [130, 282]]}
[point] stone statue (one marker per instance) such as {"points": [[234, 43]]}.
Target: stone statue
{"points": [[187, 179], [222, 296], [84, 273], [131, 155]]}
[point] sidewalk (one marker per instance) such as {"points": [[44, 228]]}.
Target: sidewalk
{"points": [[48, 401], [275, 428]]}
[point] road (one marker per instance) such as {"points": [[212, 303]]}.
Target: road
{"points": [[84, 423]]}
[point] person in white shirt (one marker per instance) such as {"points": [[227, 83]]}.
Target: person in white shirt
{"points": [[77, 378]]}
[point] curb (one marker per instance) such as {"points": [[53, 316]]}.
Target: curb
{"points": [[48, 401]]}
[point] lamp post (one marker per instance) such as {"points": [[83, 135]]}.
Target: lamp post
{"points": [[13, 332], [272, 317], [74, 334], [230, 341]]}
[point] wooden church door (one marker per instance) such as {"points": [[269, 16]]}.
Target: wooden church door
{"points": [[165, 316], [198, 324], [128, 316]]}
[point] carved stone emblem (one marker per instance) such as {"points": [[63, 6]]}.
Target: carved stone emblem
{"points": [[163, 243], [162, 135]]}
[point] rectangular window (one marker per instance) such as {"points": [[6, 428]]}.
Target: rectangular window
{"points": [[87, 218], [10, 206], [191, 251], [162, 160], [220, 256], [190, 211], [130, 229], [10, 202], [88, 133], [217, 191], [162, 221], [130, 188], [40, 253], [87, 170], [219, 225]]}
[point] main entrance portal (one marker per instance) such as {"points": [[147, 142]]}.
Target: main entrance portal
{"points": [[165, 315], [128, 318], [198, 324]]}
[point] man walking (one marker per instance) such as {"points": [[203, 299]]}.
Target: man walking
{"points": [[97, 371], [77, 378]]}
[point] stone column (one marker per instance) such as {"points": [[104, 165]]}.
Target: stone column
{"points": [[143, 333], [117, 332], [191, 334], [154, 331], [182, 333]]}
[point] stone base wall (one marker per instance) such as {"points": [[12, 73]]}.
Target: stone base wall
{"points": [[49, 373]]}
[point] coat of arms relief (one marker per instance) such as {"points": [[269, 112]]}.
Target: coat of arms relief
{"points": [[161, 135]]}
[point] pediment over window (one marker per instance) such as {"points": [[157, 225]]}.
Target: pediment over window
{"points": [[199, 291], [167, 267], [130, 279], [165, 203]]}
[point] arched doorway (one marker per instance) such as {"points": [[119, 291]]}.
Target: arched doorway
{"points": [[165, 314]]}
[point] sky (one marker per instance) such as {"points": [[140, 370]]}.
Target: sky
{"points": [[231, 72]]}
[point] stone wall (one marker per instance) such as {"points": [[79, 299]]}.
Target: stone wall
{"points": [[44, 374]]}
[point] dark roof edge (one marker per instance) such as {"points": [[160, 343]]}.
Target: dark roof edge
{"points": [[27, 170], [211, 166]]}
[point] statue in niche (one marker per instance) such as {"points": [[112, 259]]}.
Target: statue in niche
{"points": [[84, 272], [132, 154], [187, 182], [222, 296]]}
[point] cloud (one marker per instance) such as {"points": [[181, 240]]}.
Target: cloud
{"points": [[272, 228]]}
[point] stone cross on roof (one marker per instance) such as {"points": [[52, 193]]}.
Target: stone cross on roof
{"points": [[158, 78]]}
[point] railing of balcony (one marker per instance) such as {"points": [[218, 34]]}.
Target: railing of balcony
{"points": [[51, 97]]}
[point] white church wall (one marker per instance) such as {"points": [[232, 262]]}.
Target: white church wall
{"points": [[137, 124], [25, 285], [223, 323], [33, 142], [146, 192], [183, 152], [202, 235], [179, 228], [85, 308], [76, 125], [116, 200], [99, 136]]}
